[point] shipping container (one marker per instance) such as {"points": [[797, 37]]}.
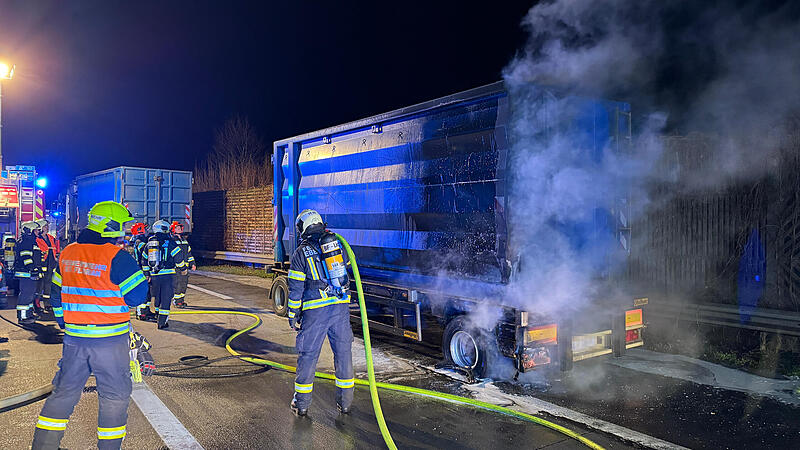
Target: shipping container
{"points": [[150, 195], [422, 196]]}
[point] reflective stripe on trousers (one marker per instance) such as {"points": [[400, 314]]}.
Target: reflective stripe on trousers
{"points": [[108, 359], [163, 288], [334, 322]]}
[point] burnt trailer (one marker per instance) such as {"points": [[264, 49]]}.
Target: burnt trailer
{"points": [[423, 196]]}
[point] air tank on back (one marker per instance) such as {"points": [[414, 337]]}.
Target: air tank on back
{"points": [[333, 261]]}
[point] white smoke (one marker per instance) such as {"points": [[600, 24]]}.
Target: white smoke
{"points": [[727, 71]]}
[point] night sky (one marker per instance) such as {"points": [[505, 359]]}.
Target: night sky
{"points": [[107, 83]]}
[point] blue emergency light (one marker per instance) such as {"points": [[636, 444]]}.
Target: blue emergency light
{"points": [[41, 182]]}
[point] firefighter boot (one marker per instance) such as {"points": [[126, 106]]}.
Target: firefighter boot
{"points": [[299, 412], [180, 303]]}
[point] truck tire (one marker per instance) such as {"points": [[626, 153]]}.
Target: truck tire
{"points": [[279, 296], [469, 347]]}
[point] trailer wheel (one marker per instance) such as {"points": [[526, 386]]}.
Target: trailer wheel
{"points": [[279, 296], [466, 346]]}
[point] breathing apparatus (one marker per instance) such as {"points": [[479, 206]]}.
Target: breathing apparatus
{"points": [[154, 255], [333, 265], [309, 224]]}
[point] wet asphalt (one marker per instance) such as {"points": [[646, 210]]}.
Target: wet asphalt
{"points": [[225, 403], [230, 404]]}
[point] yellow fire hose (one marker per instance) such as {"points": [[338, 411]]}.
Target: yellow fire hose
{"points": [[373, 385]]}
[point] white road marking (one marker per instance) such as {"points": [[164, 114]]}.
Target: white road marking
{"points": [[206, 291], [171, 430]]}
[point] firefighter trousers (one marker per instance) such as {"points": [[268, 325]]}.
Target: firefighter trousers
{"points": [[163, 288], [109, 360], [145, 307], [46, 282], [181, 283], [27, 293], [334, 322]]}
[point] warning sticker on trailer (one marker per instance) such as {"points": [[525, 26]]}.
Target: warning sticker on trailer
{"points": [[633, 317]]}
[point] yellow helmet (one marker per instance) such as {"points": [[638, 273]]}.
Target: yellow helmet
{"points": [[109, 218]]}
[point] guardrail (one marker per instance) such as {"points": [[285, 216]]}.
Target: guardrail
{"points": [[759, 319], [253, 258]]}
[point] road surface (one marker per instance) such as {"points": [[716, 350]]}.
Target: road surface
{"points": [[212, 401]]}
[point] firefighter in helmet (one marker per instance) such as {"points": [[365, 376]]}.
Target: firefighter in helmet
{"points": [[164, 257], [27, 270], [51, 249], [139, 242], [319, 307], [182, 277], [94, 286]]}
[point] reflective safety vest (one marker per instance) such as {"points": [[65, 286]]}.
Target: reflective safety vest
{"points": [[88, 296], [54, 244]]}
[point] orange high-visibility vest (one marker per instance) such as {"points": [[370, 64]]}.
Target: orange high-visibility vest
{"points": [[54, 244], [87, 294], [42, 246]]}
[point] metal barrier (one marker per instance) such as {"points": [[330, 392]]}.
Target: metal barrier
{"points": [[254, 258], [759, 319]]}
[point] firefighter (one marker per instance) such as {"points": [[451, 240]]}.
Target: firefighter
{"points": [[26, 270], [139, 242], [51, 248], [315, 312], [182, 277], [164, 256], [94, 286]]}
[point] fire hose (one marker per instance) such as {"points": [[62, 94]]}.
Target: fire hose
{"points": [[374, 385]]}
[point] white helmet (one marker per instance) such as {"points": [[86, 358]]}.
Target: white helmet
{"points": [[29, 226], [309, 221], [161, 226]]}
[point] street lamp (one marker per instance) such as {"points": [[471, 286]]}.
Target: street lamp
{"points": [[6, 73]]}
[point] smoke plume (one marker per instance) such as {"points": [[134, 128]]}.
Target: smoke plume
{"points": [[729, 71]]}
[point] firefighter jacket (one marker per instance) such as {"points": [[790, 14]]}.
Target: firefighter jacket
{"points": [[94, 286], [308, 286], [29, 258], [183, 243], [170, 256], [139, 252]]}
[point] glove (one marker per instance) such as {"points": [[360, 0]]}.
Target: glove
{"points": [[60, 322], [136, 371], [146, 363], [294, 320], [138, 342]]}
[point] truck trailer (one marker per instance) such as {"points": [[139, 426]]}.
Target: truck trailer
{"points": [[149, 194], [422, 194]]}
